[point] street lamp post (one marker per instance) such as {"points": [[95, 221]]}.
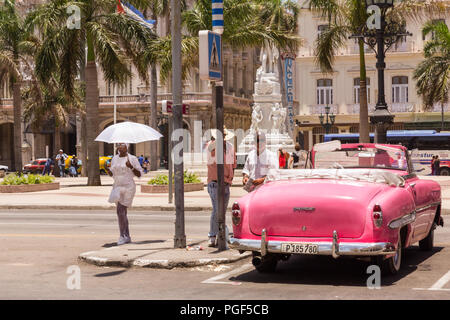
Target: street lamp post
{"points": [[380, 39], [330, 119]]}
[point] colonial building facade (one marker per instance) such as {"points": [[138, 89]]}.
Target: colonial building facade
{"points": [[340, 88], [133, 103]]}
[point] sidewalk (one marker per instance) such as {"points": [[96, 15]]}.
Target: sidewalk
{"points": [[75, 195], [161, 254]]}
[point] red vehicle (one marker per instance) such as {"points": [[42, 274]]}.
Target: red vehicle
{"points": [[37, 166], [357, 200]]}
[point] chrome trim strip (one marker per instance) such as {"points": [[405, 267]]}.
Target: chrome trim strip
{"points": [[325, 248], [403, 221], [300, 209], [411, 217], [431, 205]]}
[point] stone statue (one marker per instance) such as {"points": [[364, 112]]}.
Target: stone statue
{"points": [[278, 116], [257, 117]]}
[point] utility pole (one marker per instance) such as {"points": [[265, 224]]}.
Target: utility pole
{"points": [[180, 236]]}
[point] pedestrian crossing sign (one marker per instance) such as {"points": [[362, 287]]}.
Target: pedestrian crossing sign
{"points": [[210, 55]]}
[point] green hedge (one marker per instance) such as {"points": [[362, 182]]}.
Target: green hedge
{"points": [[163, 179], [15, 179]]}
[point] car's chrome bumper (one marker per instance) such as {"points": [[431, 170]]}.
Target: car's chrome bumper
{"points": [[333, 248]]}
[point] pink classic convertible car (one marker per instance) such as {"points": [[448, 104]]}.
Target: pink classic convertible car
{"points": [[357, 200]]}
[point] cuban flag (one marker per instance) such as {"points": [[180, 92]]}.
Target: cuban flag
{"points": [[134, 14]]}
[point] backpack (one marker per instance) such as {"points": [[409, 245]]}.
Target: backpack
{"points": [[296, 157]]}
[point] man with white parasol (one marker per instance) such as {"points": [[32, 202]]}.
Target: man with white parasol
{"points": [[124, 167]]}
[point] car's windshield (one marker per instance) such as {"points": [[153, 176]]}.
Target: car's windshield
{"points": [[380, 157]]}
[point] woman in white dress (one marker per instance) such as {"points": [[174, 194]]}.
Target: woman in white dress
{"points": [[124, 167]]}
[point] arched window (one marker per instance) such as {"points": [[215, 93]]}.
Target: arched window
{"points": [[400, 89], [324, 91]]}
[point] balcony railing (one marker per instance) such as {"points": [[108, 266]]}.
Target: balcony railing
{"points": [[6, 102], [401, 107], [187, 97], [438, 107], [320, 109]]}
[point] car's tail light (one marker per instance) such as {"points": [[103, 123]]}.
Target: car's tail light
{"points": [[236, 214], [377, 215]]}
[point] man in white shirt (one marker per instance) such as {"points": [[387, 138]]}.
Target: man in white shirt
{"points": [[258, 163]]}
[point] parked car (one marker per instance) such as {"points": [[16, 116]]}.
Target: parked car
{"points": [[37, 166], [104, 161], [67, 165], [356, 200]]}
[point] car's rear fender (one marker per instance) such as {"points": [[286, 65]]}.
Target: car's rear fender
{"points": [[396, 203]]}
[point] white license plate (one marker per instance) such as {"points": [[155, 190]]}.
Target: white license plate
{"points": [[300, 248]]}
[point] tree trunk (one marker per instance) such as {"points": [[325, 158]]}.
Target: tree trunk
{"points": [[92, 117], [442, 117], [17, 103], [364, 135], [153, 117], [83, 149]]}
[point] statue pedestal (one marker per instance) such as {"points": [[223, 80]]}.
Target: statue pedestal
{"points": [[268, 115]]}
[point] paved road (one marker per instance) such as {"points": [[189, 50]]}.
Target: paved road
{"points": [[38, 247]]}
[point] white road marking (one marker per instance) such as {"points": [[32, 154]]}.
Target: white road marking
{"points": [[439, 285], [441, 282], [215, 280]]}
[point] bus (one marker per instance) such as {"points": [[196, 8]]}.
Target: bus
{"points": [[423, 144]]}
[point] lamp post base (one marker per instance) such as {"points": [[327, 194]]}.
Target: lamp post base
{"points": [[382, 119]]}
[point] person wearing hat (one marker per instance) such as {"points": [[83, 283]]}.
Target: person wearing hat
{"points": [[229, 166], [258, 163], [124, 167], [61, 161]]}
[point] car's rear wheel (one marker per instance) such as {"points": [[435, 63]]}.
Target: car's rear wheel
{"points": [[444, 171], [266, 264], [428, 243], [391, 265], [2, 173]]}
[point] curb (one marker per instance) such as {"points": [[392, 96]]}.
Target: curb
{"points": [[157, 264], [93, 208]]}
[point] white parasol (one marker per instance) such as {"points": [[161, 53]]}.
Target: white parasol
{"points": [[128, 132]]}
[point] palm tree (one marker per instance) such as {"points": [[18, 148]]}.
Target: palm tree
{"points": [[113, 41], [157, 8], [243, 28], [345, 18], [349, 17], [48, 102], [13, 34], [433, 73]]}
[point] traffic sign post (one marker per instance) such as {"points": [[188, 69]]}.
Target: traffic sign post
{"points": [[211, 68]]}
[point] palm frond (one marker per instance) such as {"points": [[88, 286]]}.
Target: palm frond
{"points": [[108, 53], [328, 44]]}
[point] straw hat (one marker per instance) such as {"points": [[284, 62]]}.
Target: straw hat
{"points": [[227, 134]]}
